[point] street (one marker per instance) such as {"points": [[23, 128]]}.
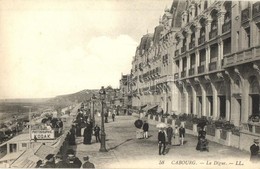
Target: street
{"points": [[125, 151]]}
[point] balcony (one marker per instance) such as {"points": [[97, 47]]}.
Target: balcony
{"points": [[213, 33], [241, 57], [201, 40], [201, 69], [183, 49], [256, 9], [191, 45], [226, 27], [212, 66], [245, 15], [177, 53], [176, 76], [191, 72], [183, 73]]}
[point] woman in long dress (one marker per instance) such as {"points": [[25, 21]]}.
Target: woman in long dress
{"points": [[176, 137], [87, 135]]}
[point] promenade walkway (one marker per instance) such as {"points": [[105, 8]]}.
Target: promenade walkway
{"points": [[125, 151]]}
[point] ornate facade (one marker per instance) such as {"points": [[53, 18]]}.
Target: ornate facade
{"points": [[153, 63], [204, 61]]}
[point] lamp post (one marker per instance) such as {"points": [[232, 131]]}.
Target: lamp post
{"points": [[93, 98], [102, 94]]}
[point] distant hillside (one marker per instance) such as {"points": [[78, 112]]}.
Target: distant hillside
{"points": [[27, 100], [80, 96]]}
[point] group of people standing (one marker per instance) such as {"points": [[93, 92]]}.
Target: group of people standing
{"points": [[84, 126], [71, 161], [166, 136]]}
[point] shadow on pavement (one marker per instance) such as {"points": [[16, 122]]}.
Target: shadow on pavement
{"points": [[120, 144]]}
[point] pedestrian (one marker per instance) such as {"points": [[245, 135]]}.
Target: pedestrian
{"points": [[201, 133], [72, 139], [182, 134], [176, 136], [97, 135], [113, 116], [78, 130], [106, 116], [169, 132], [50, 162], [254, 149], [72, 161], [39, 164], [87, 164], [145, 129], [87, 134], [161, 142]]}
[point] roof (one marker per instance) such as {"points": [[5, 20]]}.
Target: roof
{"points": [[18, 138], [178, 6], [157, 33], [11, 156], [44, 150], [27, 159], [146, 42]]}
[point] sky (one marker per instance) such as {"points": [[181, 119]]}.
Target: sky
{"points": [[55, 47]]}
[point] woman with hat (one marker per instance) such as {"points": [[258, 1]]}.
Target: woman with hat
{"points": [[254, 149], [176, 138]]}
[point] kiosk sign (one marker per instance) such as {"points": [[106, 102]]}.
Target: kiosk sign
{"points": [[42, 134]]}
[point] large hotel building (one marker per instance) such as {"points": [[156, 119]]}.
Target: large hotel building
{"points": [[202, 59]]}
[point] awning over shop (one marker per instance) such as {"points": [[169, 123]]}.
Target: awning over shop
{"points": [[150, 107]]}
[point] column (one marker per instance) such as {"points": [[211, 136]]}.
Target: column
{"points": [[188, 39], [244, 102], [228, 100], [220, 53], [203, 93], [192, 8], [197, 56], [208, 28], [8, 148], [194, 102], [215, 101], [180, 67], [221, 15], [197, 34], [186, 100], [188, 65], [207, 58], [184, 16]]}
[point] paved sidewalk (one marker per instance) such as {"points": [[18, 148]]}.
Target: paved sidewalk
{"points": [[125, 151]]}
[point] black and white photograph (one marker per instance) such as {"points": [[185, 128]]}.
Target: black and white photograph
{"points": [[130, 84]]}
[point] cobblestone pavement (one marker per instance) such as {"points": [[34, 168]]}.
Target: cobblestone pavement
{"points": [[125, 151]]}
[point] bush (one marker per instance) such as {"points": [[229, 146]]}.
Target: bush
{"points": [[174, 116], [183, 117]]}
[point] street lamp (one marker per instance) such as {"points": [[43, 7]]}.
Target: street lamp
{"points": [[93, 98], [102, 94]]}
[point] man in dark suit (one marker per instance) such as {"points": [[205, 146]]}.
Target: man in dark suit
{"points": [[145, 128], [182, 134], [254, 149], [161, 142]]}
